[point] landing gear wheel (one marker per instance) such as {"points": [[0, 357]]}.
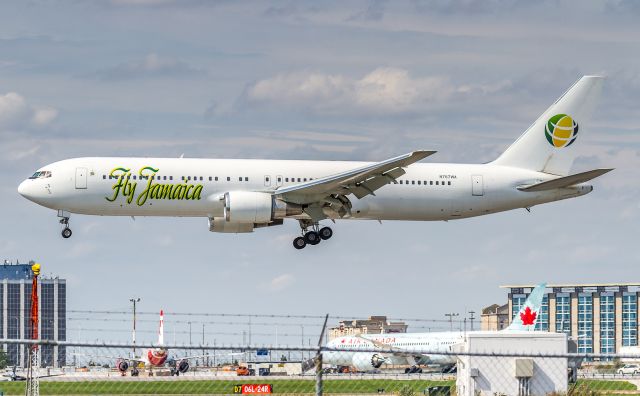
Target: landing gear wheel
{"points": [[325, 233], [134, 372], [66, 233], [299, 243], [312, 238]]}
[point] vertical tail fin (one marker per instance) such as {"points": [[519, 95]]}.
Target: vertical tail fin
{"points": [[550, 144], [527, 317], [161, 329]]}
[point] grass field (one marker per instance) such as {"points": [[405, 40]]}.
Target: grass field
{"points": [[603, 388], [293, 386]]}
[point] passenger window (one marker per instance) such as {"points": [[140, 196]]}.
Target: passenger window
{"points": [[413, 182], [431, 183], [247, 179], [449, 183], [437, 183], [189, 178], [240, 178], [279, 179], [228, 178], [200, 178], [170, 177], [216, 178], [298, 180], [305, 179], [419, 182], [104, 176], [286, 179], [134, 177], [210, 178]]}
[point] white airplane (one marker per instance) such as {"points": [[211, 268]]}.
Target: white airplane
{"points": [[239, 195], [414, 349]]}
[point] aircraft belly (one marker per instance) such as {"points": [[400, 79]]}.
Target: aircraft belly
{"points": [[398, 205]]}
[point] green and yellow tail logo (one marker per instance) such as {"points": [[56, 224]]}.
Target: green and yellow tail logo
{"points": [[561, 130]]}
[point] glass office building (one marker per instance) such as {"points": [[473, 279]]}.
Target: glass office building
{"points": [[601, 318], [15, 295]]}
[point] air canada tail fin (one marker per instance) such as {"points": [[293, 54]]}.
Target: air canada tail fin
{"points": [[161, 329], [527, 317], [550, 144]]}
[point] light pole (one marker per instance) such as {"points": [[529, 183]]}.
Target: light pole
{"points": [[471, 318], [189, 333], [451, 315], [134, 301]]}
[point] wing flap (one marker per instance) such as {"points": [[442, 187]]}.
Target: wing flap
{"points": [[565, 181], [360, 181]]}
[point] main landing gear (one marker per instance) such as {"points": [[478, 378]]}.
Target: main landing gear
{"points": [[64, 220], [313, 236]]}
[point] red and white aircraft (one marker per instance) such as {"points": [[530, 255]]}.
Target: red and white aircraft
{"points": [[155, 358]]}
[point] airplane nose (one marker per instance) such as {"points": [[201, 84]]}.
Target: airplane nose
{"points": [[22, 189], [26, 189]]}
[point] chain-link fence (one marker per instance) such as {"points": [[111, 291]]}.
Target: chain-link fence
{"points": [[358, 368]]}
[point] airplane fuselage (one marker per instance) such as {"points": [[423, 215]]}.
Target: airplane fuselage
{"points": [[194, 187], [423, 347]]}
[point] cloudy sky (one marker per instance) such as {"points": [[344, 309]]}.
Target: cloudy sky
{"points": [[359, 80]]}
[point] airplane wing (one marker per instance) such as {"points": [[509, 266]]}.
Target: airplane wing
{"points": [[206, 356], [127, 359], [565, 181], [332, 190]]}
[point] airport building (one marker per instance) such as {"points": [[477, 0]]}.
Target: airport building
{"points": [[15, 296], [600, 317], [373, 325]]}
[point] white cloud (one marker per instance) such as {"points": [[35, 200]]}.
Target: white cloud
{"points": [[152, 65], [385, 90], [12, 108], [43, 116], [15, 111], [280, 282]]}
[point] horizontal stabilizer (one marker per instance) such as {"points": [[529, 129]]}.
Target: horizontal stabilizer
{"points": [[565, 181]]}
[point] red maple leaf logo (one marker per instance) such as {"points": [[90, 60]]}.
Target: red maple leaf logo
{"points": [[528, 317]]}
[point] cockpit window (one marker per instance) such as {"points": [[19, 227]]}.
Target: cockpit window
{"points": [[41, 175]]}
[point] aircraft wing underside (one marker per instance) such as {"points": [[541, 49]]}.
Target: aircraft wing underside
{"points": [[363, 181]]}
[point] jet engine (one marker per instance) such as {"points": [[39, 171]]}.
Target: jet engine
{"points": [[122, 365], [367, 361], [256, 207], [182, 366], [178, 367]]}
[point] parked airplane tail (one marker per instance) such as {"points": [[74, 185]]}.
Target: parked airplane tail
{"points": [[550, 144], [161, 329], [529, 314]]}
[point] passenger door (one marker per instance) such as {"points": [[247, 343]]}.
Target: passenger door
{"points": [[81, 178]]}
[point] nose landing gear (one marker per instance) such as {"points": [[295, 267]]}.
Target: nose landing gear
{"points": [[313, 236], [64, 220]]}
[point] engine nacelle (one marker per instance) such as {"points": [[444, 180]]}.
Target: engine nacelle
{"points": [[256, 207], [367, 361], [122, 365], [182, 366]]}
